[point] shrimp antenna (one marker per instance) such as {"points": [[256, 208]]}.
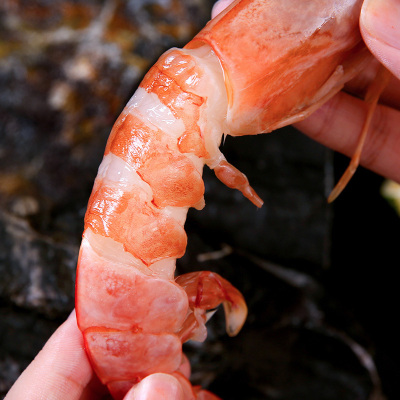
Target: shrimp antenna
{"points": [[371, 98]]}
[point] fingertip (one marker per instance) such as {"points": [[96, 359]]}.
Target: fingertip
{"points": [[380, 28], [155, 387]]}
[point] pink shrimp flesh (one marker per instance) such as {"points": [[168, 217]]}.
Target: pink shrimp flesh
{"points": [[257, 66]]}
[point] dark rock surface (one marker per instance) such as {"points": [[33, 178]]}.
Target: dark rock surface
{"points": [[318, 279]]}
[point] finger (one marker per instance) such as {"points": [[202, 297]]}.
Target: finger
{"points": [[380, 27], [156, 387], [359, 85], [220, 6], [338, 123], [60, 371]]}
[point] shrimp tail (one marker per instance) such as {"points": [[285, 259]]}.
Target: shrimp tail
{"points": [[206, 291]]}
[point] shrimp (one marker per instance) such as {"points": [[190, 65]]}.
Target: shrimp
{"points": [[133, 314]]}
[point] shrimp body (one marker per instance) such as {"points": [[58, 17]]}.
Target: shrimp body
{"points": [[133, 314]]}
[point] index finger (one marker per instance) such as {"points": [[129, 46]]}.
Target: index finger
{"points": [[60, 371], [337, 125]]}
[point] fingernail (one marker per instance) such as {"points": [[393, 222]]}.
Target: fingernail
{"points": [[381, 18]]}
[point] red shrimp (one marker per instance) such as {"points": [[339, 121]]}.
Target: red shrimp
{"points": [[257, 66]]}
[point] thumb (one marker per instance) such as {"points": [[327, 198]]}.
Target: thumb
{"points": [[380, 27], [155, 387]]}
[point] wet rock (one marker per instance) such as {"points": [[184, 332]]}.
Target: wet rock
{"points": [[37, 272]]}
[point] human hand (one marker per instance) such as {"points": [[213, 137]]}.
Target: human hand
{"points": [[62, 371], [337, 123]]}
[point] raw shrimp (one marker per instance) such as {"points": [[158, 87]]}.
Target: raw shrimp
{"points": [[257, 66]]}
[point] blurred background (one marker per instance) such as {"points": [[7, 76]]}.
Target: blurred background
{"points": [[319, 279]]}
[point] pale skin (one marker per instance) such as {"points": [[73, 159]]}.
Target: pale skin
{"points": [[62, 370]]}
